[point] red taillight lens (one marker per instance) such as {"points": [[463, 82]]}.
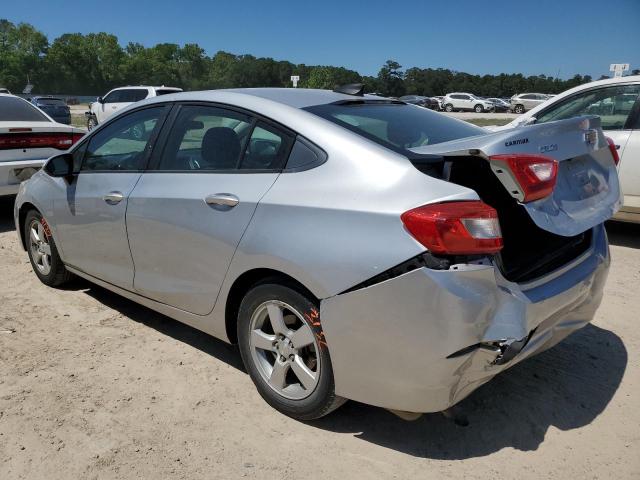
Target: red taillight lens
{"points": [[455, 228], [60, 141], [536, 174], [614, 150]]}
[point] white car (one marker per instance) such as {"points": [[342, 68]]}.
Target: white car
{"points": [[119, 98], [466, 101], [28, 137], [526, 101], [617, 102]]}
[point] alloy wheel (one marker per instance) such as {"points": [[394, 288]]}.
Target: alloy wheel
{"points": [[285, 350], [40, 247]]}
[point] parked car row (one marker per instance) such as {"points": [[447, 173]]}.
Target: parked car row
{"points": [[463, 101]]}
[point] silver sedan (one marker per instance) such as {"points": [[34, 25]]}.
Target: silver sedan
{"points": [[355, 247]]}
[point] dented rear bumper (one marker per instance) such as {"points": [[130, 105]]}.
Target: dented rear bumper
{"points": [[423, 341]]}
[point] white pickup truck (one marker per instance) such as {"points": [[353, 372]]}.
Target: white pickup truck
{"points": [[119, 98]]}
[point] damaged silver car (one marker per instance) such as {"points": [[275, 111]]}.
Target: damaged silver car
{"points": [[355, 247]]}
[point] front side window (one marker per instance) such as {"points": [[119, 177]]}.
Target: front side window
{"points": [[122, 145], [17, 110], [205, 138], [113, 97], [612, 104], [396, 126]]}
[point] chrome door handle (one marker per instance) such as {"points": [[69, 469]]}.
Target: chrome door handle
{"points": [[224, 201], [113, 198]]}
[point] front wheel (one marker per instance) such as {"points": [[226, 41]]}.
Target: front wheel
{"points": [[478, 109], [283, 349], [43, 253], [91, 123]]}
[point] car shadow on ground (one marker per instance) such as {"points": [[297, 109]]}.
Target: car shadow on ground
{"points": [[623, 234], [566, 387], [163, 324], [6, 213]]}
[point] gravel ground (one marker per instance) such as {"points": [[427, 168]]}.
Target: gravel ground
{"points": [[95, 386]]}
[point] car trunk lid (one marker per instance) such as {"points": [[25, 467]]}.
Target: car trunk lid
{"points": [[586, 191]]}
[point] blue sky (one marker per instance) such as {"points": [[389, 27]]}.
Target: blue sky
{"points": [[531, 37]]}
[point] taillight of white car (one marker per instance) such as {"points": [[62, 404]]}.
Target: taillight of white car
{"points": [[25, 138], [455, 228]]}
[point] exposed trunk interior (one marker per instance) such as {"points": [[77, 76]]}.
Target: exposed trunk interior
{"points": [[529, 251]]}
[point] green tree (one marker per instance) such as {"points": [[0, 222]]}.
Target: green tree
{"points": [[390, 79], [22, 49]]}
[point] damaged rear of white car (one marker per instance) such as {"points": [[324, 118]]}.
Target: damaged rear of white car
{"points": [[502, 278]]}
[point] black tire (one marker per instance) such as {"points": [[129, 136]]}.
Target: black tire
{"points": [[323, 399], [448, 108], [91, 123], [478, 109], [58, 274], [519, 109]]}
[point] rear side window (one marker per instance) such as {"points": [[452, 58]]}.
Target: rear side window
{"points": [[398, 127], [205, 139], [267, 149], [14, 109], [133, 95], [163, 91]]}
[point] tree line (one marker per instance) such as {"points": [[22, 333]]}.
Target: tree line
{"points": [[94, 63]]}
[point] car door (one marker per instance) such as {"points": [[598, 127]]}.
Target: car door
{"points": [[90, 210], [617, 106], [188, 212]]}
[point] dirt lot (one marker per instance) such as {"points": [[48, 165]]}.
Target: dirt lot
{"points": [[94, 386]]}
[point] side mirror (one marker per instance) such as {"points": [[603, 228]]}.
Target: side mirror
{"points": [[60, 165], [100, 100]]}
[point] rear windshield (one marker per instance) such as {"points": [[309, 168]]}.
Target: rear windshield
{"points": [[13, 109], [51, 101], [396, 126]]}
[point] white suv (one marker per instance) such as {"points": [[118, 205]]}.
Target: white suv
{"points": [[466, 101], [121, 97]]}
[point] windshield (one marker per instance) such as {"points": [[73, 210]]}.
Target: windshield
{"points": [[398, 127], [13, 109]]}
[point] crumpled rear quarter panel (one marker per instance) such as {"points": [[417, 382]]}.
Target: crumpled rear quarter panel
{"points": [[389, 342]]}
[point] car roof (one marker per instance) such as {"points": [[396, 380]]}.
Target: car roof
{"points": [[298, 97], [145, 87]]}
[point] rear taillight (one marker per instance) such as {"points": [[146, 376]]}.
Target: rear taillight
{"points": [[455, 228], [60, 141], [536, 174], [614, 150]]}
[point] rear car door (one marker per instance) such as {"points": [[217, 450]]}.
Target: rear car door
{"points": [[189, 211], [619, 109], [90, 209]]}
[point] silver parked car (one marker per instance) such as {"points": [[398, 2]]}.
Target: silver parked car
{"points": [[355, 247]]}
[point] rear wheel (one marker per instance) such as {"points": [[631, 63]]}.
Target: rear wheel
{"points": [[283, 349], [519, 109], [43, 253], [448, 107], [92, 123], [478, 109]]}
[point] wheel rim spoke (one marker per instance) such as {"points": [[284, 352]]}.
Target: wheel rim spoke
{"points": [[302, 337], [46, 248], [262, 340], [34, 235], [276, 318], [278, 375], [307, 377]]}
